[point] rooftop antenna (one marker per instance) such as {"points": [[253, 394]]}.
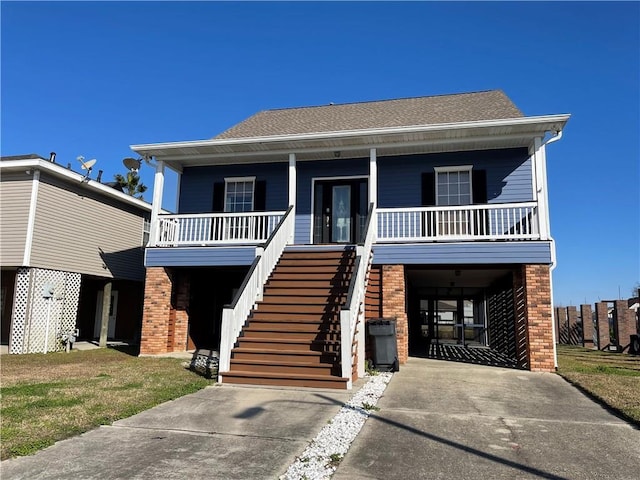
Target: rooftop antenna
{"points": [[132, 164], [88, 166]]}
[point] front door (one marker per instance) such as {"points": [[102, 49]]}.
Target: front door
{"points": [[340, 210]]}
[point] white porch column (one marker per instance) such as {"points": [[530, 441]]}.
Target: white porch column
{"points": [[292, 179], [373, 177], [156, 206], [540, 182]]}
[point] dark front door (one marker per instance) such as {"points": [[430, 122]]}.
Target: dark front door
{"points": [[340, 210]]}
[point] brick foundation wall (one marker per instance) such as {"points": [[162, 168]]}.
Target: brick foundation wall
{"points": [[602, 325], [539, 317], [587, 326], [394, 305], [156, 315], [624, 324], [181, 325]]}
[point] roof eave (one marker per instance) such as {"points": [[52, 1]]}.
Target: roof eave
{"points": [[548, 122], [69, 175]]}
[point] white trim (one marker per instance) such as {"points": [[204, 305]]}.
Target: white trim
{"points": [[229, 180], [239, 179], [355, 133], [292, 179], [454, 169], [31, 219], [313, 189], [373, 177], [156, 206]]}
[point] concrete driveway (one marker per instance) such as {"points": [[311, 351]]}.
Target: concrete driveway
{"points": [[444, 420], [437, 420], [222, 432]]}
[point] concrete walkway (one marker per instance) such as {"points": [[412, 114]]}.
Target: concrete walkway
{"points": [[437, 420], [221, 432], [443, 420]]}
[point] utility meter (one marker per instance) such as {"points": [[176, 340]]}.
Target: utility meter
{"points": [[47, 290]]}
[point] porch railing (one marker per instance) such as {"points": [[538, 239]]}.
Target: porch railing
{"points": [[215, 228], [235, 314], [353, 310], [511, 221]]}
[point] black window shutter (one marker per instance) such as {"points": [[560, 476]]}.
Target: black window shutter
{"points": [[428, 189], [260, 196], [479, 186], [218, 197]]}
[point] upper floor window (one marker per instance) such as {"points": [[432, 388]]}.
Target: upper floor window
{"points": [[239, 194], [453, 185], [146, 230]]}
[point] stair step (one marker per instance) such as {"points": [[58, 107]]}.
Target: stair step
{"points": [[243, 353], [293, 317], [271, 299], [315, 262], [300, 368], [303, 290], [285, 379], [311, 255], [283, 332], [288, 344], [296, 308], [302, 282], [305, 275]]}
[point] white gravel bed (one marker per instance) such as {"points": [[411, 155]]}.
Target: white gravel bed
{"points": [[320, 459]]}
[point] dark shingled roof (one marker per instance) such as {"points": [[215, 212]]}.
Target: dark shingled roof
{"points": [[403, 112]]}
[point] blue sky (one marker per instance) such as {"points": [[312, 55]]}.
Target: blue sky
{"points": [[92, 78]]}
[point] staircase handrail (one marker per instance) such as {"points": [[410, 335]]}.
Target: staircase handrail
{"points": [[353, 309], [235, 314]]}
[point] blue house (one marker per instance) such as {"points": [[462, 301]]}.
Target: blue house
{"points": [[297, 226]]}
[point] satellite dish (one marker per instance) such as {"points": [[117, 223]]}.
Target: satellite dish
{"points": [[88, 164], [132, 164]]}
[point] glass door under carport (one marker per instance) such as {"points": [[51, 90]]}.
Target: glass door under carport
{"points": [[453, 320]]}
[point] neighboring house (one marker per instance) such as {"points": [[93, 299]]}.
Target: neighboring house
{"points": [[297, 225], [64, 239]]}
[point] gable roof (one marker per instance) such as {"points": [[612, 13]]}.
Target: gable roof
{"points": [[403, 112]]}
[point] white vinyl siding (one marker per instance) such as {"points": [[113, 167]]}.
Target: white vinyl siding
{"points": [[15, 195], [85, 232]]}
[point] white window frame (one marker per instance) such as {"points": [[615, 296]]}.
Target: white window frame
{"points": [[146, 229], [229, 180], [458, 169]]}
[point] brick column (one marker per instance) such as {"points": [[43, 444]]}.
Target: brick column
{"points": [[394, 305], [587, 326], [563, 325], [602, 325], [181, 323], [156, 312], [537, 281], [575, 335], [623, 324]]}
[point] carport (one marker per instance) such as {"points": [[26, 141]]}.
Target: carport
{"points": [[463, 313]]}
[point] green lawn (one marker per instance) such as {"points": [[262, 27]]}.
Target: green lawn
{"points": [[613, 378], [46, 398]]}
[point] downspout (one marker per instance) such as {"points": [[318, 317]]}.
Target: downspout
{"points": [[555, 138]]}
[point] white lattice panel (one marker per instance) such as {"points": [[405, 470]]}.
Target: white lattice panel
{"points": [[19, 313], [38, 321]]}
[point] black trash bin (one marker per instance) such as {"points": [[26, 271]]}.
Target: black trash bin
{"points": [[384, 345]]}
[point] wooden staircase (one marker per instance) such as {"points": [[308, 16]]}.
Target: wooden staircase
{"points": [[292, 337]]}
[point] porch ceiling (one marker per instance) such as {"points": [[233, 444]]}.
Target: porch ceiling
{"points": [[454, 277], [479, 135]]}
